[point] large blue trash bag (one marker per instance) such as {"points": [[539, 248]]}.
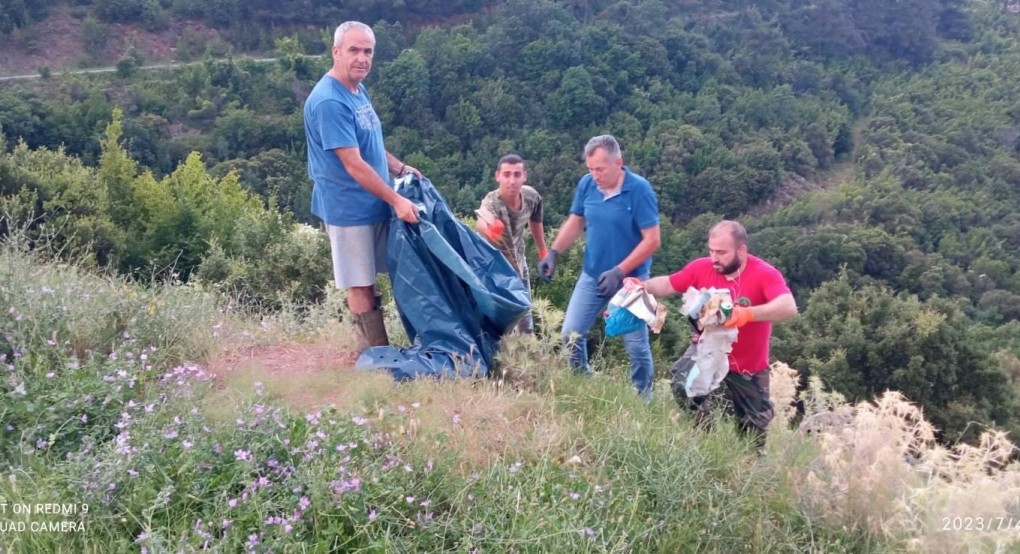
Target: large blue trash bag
{"points": [[457, 295]]}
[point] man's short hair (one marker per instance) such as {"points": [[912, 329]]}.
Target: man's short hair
{"points": [[341, 30], [733, 228], [607, 143], [512, 159]]}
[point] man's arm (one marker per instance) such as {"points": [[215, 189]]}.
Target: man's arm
{"points": [[659, 287], [370, 180], [398, 167], [482, 227], [780, 308], [568, 233], [650, 241], [538, 233]]}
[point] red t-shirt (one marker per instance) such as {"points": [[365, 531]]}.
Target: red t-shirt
{"points": [[758, 284]]}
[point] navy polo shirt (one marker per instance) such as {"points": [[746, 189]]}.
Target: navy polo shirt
{"points": [[613, 226]]}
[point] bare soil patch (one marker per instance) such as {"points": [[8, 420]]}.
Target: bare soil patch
{"points": [[57, 43], [292, 359], [304, 376]]}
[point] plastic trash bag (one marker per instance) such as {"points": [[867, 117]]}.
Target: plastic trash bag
{"points": [[457, 295], [620, 321], [632, 308]]}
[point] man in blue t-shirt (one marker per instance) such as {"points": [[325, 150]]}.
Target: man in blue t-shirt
{"points": [[350, 170], [618, 212]]}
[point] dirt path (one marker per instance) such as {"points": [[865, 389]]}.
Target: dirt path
{"points": [[167, 65], [794, 185], [58, 44]]}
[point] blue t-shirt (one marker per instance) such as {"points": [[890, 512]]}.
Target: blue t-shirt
{"points": [[335, 117], [613, 227]]}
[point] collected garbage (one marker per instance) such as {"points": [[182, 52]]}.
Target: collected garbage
{"points": [[457, 295], [631, 308], [708, 309]]}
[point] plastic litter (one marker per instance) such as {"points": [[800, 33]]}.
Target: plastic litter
{"points": [[457, 295]]}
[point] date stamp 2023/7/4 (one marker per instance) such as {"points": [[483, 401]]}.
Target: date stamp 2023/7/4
{"points": [[980, 523]]}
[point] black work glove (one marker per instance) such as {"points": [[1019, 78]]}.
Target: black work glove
{"points": [[547, 265], [610, 281]]}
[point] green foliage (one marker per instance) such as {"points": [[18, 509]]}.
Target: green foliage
{"points": [[276, 175], [17, 14], [94, 37], [864, 340], [115, 216], [58, 203], [275, 264], [23, 120], [182, 214], [118, 11], [79, 350]]}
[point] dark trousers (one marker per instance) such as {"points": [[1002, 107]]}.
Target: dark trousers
{"points": [[748, 394]]}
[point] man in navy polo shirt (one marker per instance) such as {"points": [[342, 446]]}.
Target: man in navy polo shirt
{"points": [[618, 212]]}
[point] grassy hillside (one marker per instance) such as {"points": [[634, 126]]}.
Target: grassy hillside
{"points": [[160, 419]]}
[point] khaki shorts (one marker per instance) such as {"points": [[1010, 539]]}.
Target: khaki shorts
{"points": [[359, 253]]}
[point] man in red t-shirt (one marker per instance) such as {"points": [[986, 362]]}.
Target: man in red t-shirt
{"points": [[760, 297]]}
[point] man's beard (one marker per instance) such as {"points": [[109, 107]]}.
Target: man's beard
{"points": [[729, 268]]}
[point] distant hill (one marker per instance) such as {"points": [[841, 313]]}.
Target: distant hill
{"points": [[61, 42], [97, 33]]}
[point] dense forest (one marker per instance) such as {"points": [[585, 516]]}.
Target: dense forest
{"points": [[872, 148]]}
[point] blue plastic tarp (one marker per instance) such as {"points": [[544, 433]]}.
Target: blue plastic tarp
{"points": [[457, 295]]}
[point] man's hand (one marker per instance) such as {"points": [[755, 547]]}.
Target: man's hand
{"points": [[609, 281], [631, 283], [547, 266], [739, 317], [495, 230], [406, 210], [412, 170]]}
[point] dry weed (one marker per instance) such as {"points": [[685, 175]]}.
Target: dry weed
{"points": [[879, 470], [783, 391], [969, 499], [864, 469]]}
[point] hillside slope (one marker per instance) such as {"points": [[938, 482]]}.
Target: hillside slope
{"points": [[59, 42]]}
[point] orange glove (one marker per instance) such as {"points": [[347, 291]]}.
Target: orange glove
{"points": [[495, 230], [739, 317], [542, 253]]}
